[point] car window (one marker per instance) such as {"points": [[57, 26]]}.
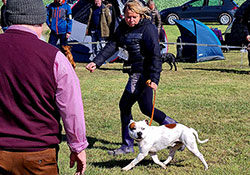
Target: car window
{"points": [[215, 2], [198, 3]]}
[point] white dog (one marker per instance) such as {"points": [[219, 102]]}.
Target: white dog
{"points": [[154, 138]]}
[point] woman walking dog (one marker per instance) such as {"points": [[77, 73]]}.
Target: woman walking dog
{"points": [[139, 37]]}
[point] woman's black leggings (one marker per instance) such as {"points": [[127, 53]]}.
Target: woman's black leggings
{"points": [[144, 100]]}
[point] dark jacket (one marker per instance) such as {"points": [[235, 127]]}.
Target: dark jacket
{"points": [[105, 21], [156, 19], [241, 25], [146, 36], [3, 19]]}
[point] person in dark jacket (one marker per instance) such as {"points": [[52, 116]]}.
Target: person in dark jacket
{"points": [[155, 15], [240, 32], [3, 19], [139, 37], [98, 25]]}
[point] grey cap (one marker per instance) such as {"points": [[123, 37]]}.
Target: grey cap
{"points": [[25, 12]]}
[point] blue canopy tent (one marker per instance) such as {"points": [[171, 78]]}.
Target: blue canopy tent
{"points": [[193, 31]]}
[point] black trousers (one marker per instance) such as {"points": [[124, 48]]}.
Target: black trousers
{"points": [[53, 39]]}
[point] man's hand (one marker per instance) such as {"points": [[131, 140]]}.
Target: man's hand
{"points": [[80, 159], [91, 67]]}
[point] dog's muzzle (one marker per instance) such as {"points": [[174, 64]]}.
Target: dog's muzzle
{"points": [[139, 135]]}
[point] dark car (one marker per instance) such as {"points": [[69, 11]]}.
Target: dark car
{"points": [[221, 11]]}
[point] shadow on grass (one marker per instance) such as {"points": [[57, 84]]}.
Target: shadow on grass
{"points": [[113, 69], [220, 70], [121, 163], [92, 141]]}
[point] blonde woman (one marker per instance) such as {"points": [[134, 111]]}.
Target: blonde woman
{"points": [[139, 37]]}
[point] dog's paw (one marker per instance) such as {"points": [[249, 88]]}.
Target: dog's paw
{"points": [[126, 168], [163, 166]]}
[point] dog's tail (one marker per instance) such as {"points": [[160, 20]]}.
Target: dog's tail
{"points": [[196, 135]]}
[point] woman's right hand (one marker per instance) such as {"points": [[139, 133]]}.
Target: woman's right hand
{"points": [[248, 38], [91, 66]]}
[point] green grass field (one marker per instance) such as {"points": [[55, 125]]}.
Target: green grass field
{"points": [[212, 97]]}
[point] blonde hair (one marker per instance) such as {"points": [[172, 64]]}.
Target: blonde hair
{"points": [[137, 7]]}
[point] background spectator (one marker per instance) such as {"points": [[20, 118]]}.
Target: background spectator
{"points": [[155, 15], [3, 19], [240, 32], [98, 25], [59, 20]]}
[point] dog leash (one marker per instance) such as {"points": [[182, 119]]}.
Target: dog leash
{"points": [[152, 115]]}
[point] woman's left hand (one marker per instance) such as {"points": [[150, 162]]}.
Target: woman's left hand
{"points": [[153, 86]]}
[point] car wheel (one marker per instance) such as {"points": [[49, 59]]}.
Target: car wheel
{"points": [[225, 19], [171, 17]]}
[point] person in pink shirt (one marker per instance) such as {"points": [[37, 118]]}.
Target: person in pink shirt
{"points": [[38, 88]]}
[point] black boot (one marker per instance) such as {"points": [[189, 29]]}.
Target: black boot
{"points": [[127, 144], [168, 120]]}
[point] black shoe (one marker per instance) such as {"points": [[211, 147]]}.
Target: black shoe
{"points": [[168, 120], [122, 150]]}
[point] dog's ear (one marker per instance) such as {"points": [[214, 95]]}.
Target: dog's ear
{"points": [[131, 121], [146, 121], [132, 125]]}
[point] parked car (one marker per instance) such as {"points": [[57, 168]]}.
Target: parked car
{"points": [[221, 11]]}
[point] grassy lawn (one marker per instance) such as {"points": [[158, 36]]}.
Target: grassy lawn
{"points": [[212, 97]]}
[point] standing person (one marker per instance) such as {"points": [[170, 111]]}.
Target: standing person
{"points": [[155, 15], [38, 87], [3, 20], [139, 36], [242, 16], [98, 25], [59, 20], [241, 26]]}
